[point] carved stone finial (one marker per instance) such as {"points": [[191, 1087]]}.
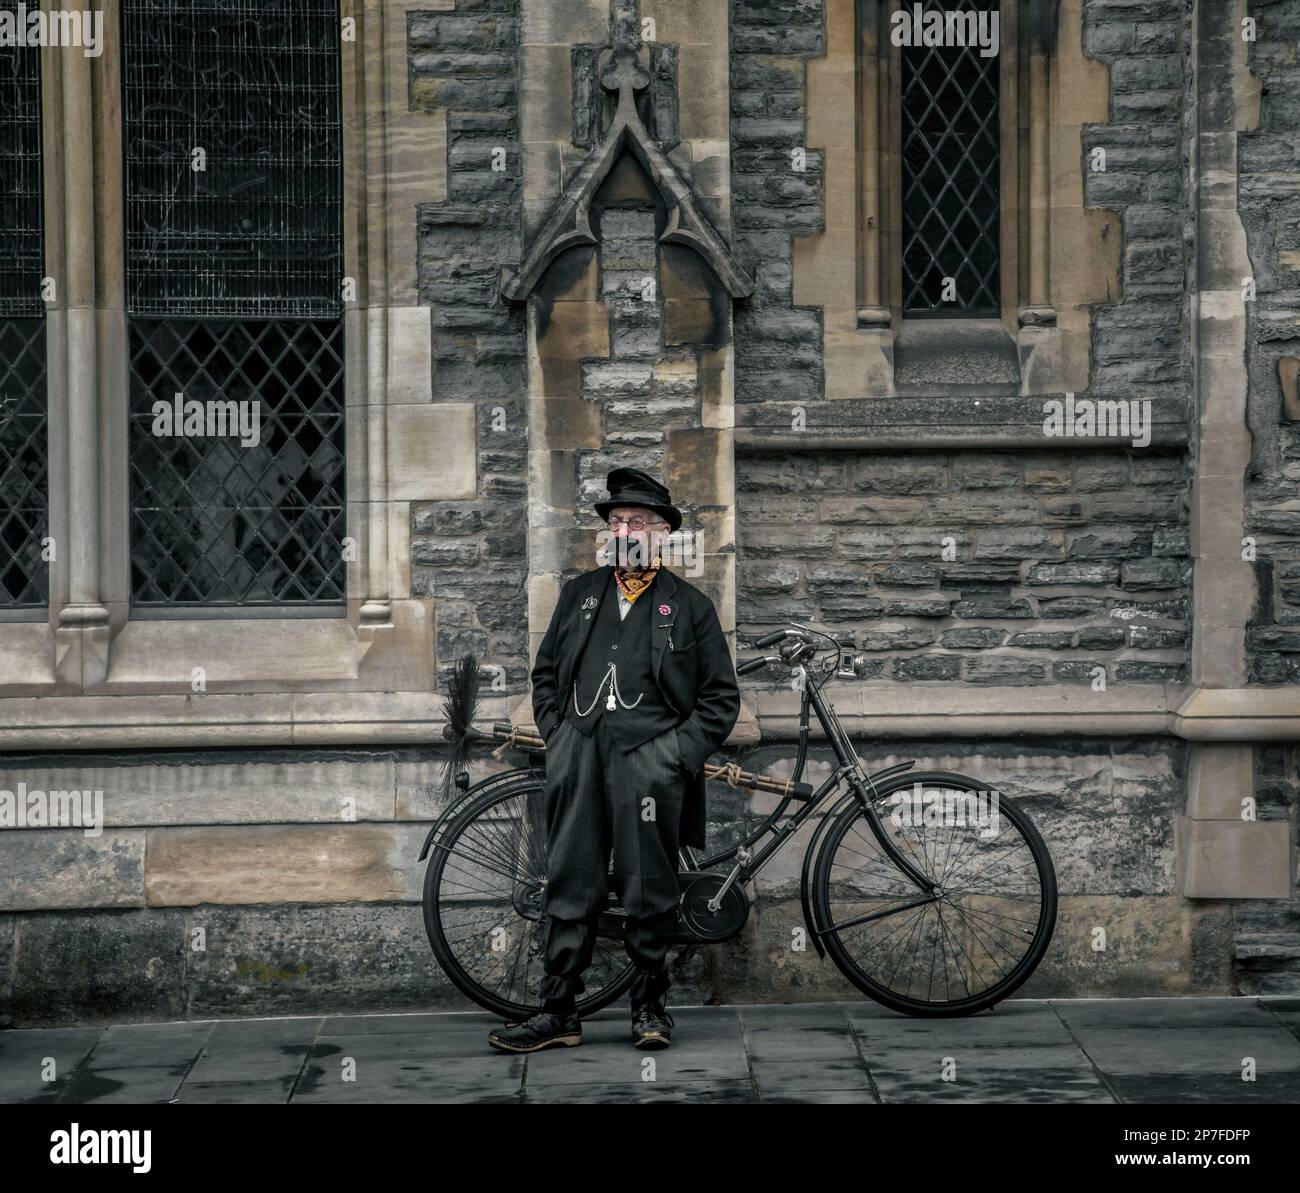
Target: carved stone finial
{"points": [[620, 68]]}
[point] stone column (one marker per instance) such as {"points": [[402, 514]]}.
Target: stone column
{"points": [[1222, 854], [377, 609], [83, 619]]}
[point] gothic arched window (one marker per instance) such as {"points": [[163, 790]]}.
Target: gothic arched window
{"points": [[233, 288]]}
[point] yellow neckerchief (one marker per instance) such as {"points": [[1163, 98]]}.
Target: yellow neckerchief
{"points": [[632, 582]]}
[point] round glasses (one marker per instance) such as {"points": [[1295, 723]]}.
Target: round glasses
{"points": [[634, 523]]}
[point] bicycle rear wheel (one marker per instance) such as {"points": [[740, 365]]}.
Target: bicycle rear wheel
{"points": [[482, 906], [970, 940]]}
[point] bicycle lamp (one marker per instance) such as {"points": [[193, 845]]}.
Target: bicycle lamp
{"points": [[851, 665]]}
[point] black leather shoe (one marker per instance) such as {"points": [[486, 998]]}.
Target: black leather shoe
{"points": [[651, 1026], [542, 1030]]}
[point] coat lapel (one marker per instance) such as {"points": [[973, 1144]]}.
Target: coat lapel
{"points": [[585, 613], [662, 593]]}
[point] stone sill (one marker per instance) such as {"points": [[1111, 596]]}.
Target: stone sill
{"points": [[935, 421], [262, 655], [68, 723], [966, 356], [1050, 710], [283, 719]]}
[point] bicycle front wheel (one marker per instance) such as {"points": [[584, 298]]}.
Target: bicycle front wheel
{"points": [[975, 932]]}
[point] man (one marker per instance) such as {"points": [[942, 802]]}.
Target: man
{"points": [[633, 690]]}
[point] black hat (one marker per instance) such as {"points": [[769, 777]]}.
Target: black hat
{"points": [[631, 486]]}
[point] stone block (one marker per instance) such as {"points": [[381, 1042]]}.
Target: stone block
{"points": [[43, 869], [1220, 859], [432, 452]]}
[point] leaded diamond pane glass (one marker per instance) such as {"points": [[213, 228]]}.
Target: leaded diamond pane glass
{"points": [[249, 91], [950, 174], [24, 575], [233, 284], [214, 522]]}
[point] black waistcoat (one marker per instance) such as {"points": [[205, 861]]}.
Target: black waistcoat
{"points": [[625, 643]]}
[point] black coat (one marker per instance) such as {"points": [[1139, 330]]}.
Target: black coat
{"points": [[690, 660]]}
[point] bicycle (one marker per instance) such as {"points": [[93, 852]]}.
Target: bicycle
{"points": [[924, 830]]}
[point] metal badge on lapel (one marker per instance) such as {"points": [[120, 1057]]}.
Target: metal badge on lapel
{"points": [[589, 603]]}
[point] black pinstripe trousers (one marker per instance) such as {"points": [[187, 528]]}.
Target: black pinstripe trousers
{"points": [[597, 799]]}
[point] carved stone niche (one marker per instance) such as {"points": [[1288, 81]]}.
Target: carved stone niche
{"points": [[617, 373], [624, 70]]}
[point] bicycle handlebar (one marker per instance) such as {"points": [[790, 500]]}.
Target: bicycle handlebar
{"points": [[769, 639]]}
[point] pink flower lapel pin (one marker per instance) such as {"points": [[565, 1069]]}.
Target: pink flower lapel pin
{"points": [[664, 610]]}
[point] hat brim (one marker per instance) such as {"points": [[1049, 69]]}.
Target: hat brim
{"points": [[670, 513]]}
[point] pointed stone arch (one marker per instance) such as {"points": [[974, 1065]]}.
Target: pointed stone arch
{"points": [[623, 69]]}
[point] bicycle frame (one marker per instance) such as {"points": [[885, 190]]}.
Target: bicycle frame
{"points": [[848, 771]]}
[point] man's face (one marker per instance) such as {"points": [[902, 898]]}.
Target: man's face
{"points": [[636, 545]]}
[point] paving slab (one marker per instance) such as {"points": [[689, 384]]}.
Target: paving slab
{"points": [[1180, 1050], [931, 1059], [133, 1085], [801, 1043], [149, 1045], [227, 1032], [235, 1093], [1139, 1051], [360, 1025], [246, 1066], [391, 1081], [791, 1076], [1219, 1088], [29, 1056], [1022, 1026], [591, 1063], [637, 1092], [976, 1084], [1087, 1013], [827, 1097]]}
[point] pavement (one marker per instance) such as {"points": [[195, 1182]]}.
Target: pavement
{"points": [[1128, 1051]]}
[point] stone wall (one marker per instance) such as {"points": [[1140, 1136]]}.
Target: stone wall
{"points": [[471, 556], [234, 886], [225, 883], [1268, 194], [778, 345], [983, 568], [1266, 934], [1140, 340]]}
